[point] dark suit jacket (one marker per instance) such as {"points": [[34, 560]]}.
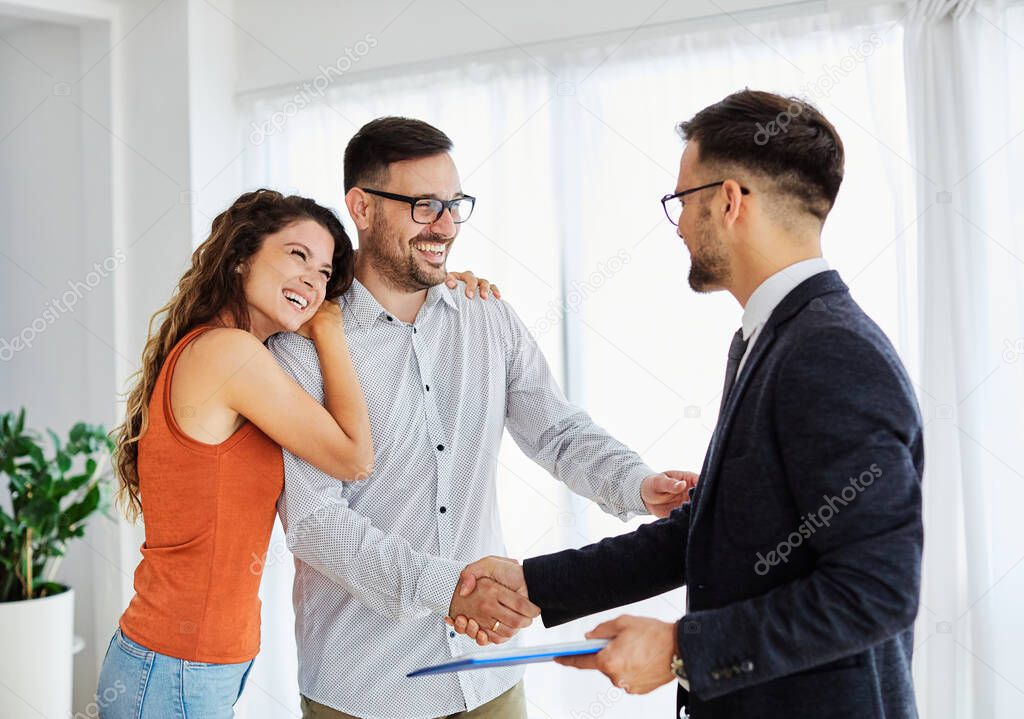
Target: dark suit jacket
{"points": [[801, 547]]}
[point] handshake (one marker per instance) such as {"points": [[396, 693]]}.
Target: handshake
{"points": [[490, 603]]}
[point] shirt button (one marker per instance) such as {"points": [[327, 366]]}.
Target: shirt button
{"points": [[414, 330], [451, 634], [427, 386], [440, 448], [442, 510], [390, 318]]}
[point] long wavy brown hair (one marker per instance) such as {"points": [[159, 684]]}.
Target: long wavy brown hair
{"points": [[214, 286]]}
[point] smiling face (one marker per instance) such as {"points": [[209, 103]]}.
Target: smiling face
{"points": [[709, 257], [409, 255], [286, 279]]}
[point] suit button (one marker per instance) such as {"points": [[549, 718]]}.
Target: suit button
{"points": [[747, 666]]}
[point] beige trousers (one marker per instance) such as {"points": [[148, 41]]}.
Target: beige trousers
{"points": [[510, 705]]}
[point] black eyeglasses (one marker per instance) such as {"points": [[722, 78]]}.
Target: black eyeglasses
{"points": [[673, 203], [427, 210]]}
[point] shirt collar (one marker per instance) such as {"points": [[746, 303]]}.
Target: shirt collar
{"points": [[773, 290], [443, 293], [366, 309]]}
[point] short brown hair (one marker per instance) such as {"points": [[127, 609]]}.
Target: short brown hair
{"points": [[389, 139], [785, 139]]}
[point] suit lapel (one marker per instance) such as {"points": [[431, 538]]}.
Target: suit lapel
{"points": [[714, 456], [809, 290]]}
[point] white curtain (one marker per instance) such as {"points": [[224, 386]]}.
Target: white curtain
{"points": [[568, 152], [964, 67]]}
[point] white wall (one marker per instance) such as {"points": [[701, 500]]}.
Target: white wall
{"points": [[99, 172], [215, 140], [56, 256], [41, 209]]}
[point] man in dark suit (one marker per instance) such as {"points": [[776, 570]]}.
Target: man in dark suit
{"points": [[801, 547]]}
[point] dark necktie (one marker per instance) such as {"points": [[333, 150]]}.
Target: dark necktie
{"points": [[737, 348]]}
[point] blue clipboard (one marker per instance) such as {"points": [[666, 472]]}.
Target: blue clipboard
{"points": [[514, 655]]}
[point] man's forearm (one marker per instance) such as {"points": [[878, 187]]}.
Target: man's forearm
{"points": [[380, 570], [615, 571], [592, 463]]}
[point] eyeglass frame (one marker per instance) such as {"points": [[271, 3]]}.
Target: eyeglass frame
{"points": [[676, 195], [413, 201]]}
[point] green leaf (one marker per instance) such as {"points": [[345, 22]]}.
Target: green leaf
{"points": [[48, 495], [35, 452], [47, 589], [74, 482], [77, 432], [77, 512], [37, 511]]}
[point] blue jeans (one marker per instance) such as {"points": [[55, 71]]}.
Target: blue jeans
{"points": [[137, 683]]}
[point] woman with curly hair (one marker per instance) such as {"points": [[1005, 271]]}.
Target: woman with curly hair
{"points": [[199, 452]]}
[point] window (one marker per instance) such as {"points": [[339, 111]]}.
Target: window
{"points": [[579, 148]]}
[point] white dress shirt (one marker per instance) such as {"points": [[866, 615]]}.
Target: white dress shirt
{"points": [[770, 293], [376, 561]]}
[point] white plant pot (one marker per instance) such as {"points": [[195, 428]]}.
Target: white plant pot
{"points": [[36, 637]]}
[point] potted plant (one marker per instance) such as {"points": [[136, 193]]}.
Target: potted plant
{"points": [[51, 494]]}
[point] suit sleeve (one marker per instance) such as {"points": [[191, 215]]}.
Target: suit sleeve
{"points": [[848, 431], [615, 571]]}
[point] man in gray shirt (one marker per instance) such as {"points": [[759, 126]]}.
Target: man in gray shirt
{"points": [[378, 560]]}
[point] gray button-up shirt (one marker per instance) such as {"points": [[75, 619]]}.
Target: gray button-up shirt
{"points": [[376, 561]]}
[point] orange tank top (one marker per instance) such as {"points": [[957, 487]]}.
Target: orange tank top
{"points": [[208, 511]]}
